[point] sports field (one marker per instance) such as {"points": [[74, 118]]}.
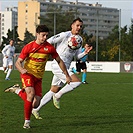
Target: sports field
{"points": [[102, 106]]}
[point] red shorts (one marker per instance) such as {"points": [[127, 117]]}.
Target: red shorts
{"points": [[28, 80]]}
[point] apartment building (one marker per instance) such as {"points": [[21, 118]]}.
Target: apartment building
{"points": [[8, 20], [97, 20]]}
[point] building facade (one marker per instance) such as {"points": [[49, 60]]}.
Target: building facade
{"points": [[27, 17], [98, 20], [8, 20]]}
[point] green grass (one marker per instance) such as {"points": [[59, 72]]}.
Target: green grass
{"points": [[102, 106]]}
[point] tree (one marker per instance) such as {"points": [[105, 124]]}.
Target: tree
{"points": [[109, 47], [11, 34], [62, 19], [28, 37]]}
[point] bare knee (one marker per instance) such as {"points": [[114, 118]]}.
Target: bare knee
{"points": [[30, 93], [36, 101], [55, 89]]}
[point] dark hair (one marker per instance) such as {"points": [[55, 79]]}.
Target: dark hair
{"points": [[11, 40], [77, 19], [42, 28], [89, 43]]}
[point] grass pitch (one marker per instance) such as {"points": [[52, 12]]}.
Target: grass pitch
{"points": [[102, 106]]}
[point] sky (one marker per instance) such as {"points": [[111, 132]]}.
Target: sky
{"points": [[126, 7]]}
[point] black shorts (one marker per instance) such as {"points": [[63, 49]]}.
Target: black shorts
{"points": [[80, 66]]}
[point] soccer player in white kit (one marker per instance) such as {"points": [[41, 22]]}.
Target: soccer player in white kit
{"points": [[8, 53], [59, 79]]}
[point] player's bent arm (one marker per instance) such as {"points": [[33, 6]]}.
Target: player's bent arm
{"points": [[87, 50], [4, 51], [18, 65], [81, 55], [63, 68]]}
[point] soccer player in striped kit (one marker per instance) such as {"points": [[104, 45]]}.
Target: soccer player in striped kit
{"points": [[35, 55]]}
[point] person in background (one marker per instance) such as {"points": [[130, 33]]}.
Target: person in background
{"points": [[81, 65], [8, 53]]}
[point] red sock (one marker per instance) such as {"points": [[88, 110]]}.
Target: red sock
{"points": [[23, 95], [27, 109]]}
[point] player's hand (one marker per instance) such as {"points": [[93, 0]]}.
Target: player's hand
{"points": [[15, 55], [87, 50], [87, 61], [23, 71], [68, 79]]}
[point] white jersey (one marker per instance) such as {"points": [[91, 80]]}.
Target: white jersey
{"points": [[65, 53], [9, 51]]}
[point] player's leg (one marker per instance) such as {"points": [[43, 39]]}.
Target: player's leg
{"points": [[14, 89], [21, 92], [77, 70], [74, 70], [10, 66], [8, 73], [27, 94], [47, 97], [5, 64], [28, 105], [37, 98], [67, 88], [84, 74], [29, 83]]}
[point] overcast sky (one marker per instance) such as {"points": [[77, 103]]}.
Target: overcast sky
{"points": [[126, 7]]}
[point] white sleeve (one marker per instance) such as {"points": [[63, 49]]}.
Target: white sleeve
{"points": [[4, 50], [80, 54], [57, 38], [14, 51]]}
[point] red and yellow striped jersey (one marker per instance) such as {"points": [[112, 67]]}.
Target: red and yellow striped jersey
{"points": [[36, 56]]}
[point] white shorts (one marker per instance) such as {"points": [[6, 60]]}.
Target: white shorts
{"points": [[7, 62], [59, 77]]}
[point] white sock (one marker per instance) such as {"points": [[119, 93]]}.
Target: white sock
{"points": [[46, 98], [27, 121], [17, 91], [67, 88], [8, 73]]}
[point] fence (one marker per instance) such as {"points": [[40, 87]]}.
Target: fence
{"points": [[114, 67]]}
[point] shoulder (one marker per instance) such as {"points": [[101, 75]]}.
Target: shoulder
{"points": [[28, 47], [64, 33], [49, 45], [29, 44], [7, 46]]}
